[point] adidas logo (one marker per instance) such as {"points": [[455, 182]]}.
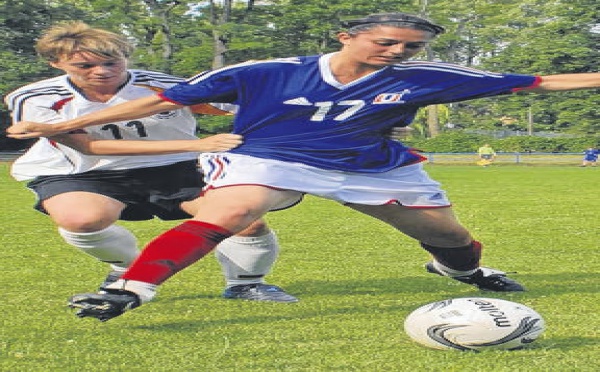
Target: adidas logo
{"points": [[301, 101]]}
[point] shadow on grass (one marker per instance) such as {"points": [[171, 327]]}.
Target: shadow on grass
{"points": [[565, 343], [537, 285], [314, 315], [315, 306], [436, 288], [319, 314]]}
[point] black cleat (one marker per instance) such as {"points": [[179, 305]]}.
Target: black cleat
{"points": [[484, 278], [258, 292], [104, 306]]}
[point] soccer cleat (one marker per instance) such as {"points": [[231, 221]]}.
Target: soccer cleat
{"points": [[485, 279], [104, 306], [112, 277], [258, 292]]}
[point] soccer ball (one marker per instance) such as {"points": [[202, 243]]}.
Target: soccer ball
{"points": [[474, 323]]}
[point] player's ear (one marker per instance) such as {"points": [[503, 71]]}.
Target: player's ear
{"points": [[343, 37]]}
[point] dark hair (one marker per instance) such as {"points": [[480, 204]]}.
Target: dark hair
{"points": [[393, 19]]}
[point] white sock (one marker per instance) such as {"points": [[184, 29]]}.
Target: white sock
{"points": [[145, 291], [246, 260], [118, 269], [450, 272], [115, 245]]}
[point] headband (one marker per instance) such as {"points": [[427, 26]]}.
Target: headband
{"points": [[394, 18]]}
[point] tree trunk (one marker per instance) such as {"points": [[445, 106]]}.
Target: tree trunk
{"points": [[433, 123]]}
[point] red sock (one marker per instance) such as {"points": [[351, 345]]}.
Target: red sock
{"points": [[175, 250], [459, 258]]}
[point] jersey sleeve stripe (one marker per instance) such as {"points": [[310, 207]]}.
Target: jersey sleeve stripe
{"points": [[17, 100], [149, 76], [15, 96], [204, 75], [447, 67]]}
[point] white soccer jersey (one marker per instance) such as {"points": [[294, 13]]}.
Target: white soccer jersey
{"points": [[55, 100]]}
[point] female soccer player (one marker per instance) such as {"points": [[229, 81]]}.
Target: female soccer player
{"points": [[86, 192]]}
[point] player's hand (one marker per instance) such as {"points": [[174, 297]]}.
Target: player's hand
{"points": [[219, 142], [28, 129]]}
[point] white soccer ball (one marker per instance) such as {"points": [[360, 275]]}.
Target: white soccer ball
{"points": [[474, 323]]}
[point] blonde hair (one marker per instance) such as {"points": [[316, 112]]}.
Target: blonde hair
{"points": [[64, 40]]}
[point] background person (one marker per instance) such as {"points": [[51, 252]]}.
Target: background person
{"points": [[319, 129], [590, 157], [486, 154], [85, 191]]}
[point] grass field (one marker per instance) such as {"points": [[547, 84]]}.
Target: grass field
{"points": [[357, 280]]}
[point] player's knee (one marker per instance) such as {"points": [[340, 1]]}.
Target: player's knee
{"points": [[237, 218], [82, 223]]}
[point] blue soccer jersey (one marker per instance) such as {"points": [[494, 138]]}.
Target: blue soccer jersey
{"points": [[294, 109]]}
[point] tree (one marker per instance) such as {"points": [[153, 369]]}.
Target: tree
{"points": [[21, 22], [525, 36]]}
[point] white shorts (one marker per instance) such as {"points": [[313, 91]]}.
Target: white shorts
{"points": [[409, 186]]}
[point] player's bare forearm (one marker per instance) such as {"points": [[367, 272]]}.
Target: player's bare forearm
{"points": [[216, 143], [561, 82], [135, 109]]}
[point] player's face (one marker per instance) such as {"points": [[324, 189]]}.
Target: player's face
{"points": [[89, 71], [384, 45]]}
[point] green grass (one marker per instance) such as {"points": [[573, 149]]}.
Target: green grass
{"points": [[357, 280]]}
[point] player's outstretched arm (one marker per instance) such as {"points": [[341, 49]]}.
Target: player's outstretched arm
{"points": [[83, 144], [560, 82], [216, 143], [135, 109]]}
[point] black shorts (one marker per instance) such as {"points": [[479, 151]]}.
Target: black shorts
{"points": [[147, 192]]}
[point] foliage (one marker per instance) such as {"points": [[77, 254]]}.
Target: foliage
{"points": [[540, 144], [520, 36], [208, 124], [458, 141], [452, 141], [21, 22]]}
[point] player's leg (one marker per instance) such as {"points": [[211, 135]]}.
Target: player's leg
{"points": [[86, 220], [455, 252], [222, 212], [245, 259]]}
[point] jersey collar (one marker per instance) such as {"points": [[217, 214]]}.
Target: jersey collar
{"points": [[328, 77]]}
